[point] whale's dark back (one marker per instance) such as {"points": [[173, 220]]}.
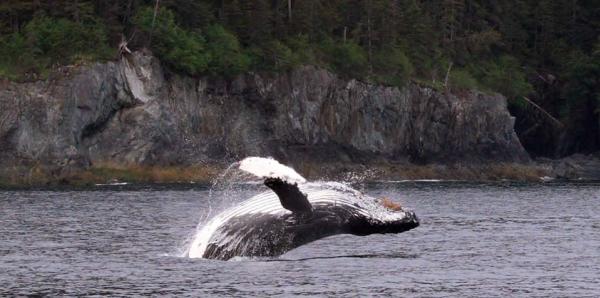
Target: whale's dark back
{"points": [[272, 235]]}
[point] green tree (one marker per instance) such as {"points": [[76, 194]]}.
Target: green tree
{"points": [[17, 56], [192, 14], [392, 66], [506, 76], [177, 47], [461, 79], [227, 58], [347, 58], [61, 40]]}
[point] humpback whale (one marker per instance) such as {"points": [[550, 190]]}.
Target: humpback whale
{"points": [[292, 213]]}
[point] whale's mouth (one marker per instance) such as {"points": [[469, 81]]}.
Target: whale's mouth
{"points": [[407, 220]]}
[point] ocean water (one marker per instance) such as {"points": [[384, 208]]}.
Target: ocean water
{"points": [[475, 240]]}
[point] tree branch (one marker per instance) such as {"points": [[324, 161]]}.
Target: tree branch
{"points": [[554, 120]]}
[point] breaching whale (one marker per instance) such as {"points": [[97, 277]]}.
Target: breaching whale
{"points": [[292, 213]]}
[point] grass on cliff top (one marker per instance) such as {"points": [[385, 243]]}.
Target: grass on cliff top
{"points": [[110, 173], [491, 172], [144, 174], [313, 171]]}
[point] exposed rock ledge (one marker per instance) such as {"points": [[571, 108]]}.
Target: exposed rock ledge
{"points": [[133, 112]]}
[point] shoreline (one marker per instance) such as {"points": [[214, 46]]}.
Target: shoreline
{"points": [[204, 175], [135, 186]]}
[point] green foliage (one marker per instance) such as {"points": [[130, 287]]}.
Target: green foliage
{"points": [[227, 58], [61, 40], [191, 14], [17, 56], [461, 79], [177, 47], [392, 66], [276, 55], [273, 56], [583, 84], [506, 76], [346, 58], [304, 52], [47, 41]]}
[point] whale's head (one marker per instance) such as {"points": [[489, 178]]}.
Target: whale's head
{"points": [[397, 221], [381, 218]]}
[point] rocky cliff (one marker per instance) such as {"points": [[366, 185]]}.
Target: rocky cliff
{"points": [[133, 112]]}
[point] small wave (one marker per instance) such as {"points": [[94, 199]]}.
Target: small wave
{"points": [[354, 256], [112, 184], [416, 180], [350, 256]]}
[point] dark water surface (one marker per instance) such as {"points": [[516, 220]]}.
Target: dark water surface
{"points": [[475, 240]]}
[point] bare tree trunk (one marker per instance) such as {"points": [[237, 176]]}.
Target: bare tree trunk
{"points": [[153, 20], [369, 37], [290, 11], [127, 15], [76, 12], [123, 49], [554, 120], [447, 75], [222, 12]]}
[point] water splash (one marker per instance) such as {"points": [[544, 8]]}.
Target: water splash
{"points": [[228, 189], [268, 167], [358, 179]]}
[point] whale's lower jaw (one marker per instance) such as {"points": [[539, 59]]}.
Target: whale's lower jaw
{"points": [[268, 235]]}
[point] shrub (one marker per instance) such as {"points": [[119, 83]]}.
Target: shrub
{"points": [[347, 58], [47, 41], [580, 94], [505, 76], [393, 66], [17, 56], [273, 56], [461, 79], [226, 56], [179, 48], [303, 51], [277, 55], [581, 75], [280, 56], [60, 40]]}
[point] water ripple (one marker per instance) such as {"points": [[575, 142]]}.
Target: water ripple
{"points": [[475, 240]]}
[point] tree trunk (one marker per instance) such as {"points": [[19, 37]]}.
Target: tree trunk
{"points": [[153, 20], [447, 76], [369, 37]]}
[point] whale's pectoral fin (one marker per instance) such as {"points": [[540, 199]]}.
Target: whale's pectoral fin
{"points": [[290, 196]]}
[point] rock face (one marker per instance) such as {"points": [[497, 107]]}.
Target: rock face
{"points": [[133, 112], [574, 167]]}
